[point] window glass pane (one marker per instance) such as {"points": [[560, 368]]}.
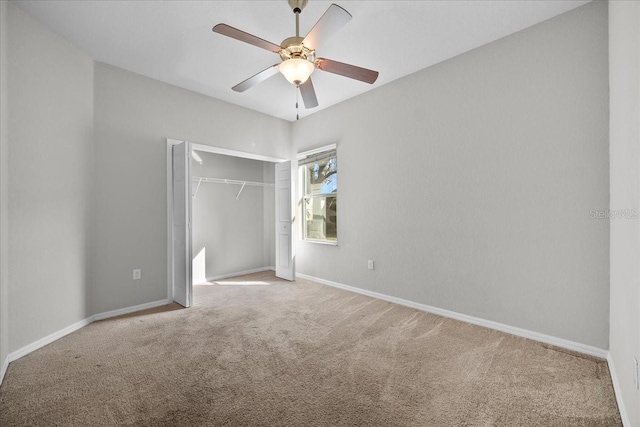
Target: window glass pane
{"points": [[320, 186], [322, 177], [321, 218]]}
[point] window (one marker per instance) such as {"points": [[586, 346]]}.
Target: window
{"points": [[319, 183]]}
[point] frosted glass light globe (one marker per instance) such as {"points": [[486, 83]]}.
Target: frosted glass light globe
{"points": [[296, 70]]}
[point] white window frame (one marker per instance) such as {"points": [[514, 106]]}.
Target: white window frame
{"points": [[303, 188]]}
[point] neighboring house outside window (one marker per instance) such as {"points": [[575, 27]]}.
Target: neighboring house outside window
{"points": [[319, 184]]}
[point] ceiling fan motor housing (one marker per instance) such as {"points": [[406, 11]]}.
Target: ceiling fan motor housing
{"points": [[292, 47]]}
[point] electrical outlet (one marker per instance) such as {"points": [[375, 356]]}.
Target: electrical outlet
{"points": [[137, 274], [370, 264], [635, 372]]}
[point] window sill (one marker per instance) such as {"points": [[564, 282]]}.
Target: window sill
{"points": [[320, 242]]}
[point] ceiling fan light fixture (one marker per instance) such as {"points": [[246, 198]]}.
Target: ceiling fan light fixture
{"points": [[296, 70]]}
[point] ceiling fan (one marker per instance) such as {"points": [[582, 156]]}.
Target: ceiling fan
{"points": [[298, 54]]}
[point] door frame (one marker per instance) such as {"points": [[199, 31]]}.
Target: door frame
{"points": [[199, 147]]}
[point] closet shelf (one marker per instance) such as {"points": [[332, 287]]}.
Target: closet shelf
{"points": [[202, 179], [233, 181]]}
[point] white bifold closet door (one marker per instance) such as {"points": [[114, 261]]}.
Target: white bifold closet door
{"points": [[182, 224], [285, 266]]}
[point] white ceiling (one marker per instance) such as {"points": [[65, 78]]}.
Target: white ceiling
{"points": [[172, 41]]}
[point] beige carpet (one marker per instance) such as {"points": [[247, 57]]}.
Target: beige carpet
{"points": [[257, 351]]}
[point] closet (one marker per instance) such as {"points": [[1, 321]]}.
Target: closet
{"points": [[233, 216]]}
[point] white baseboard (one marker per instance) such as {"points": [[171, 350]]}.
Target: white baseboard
{"points": [[48, 339], [239, 273], [3, 370], [72, 328], [536, 336], [127, 310], [624, 415]]}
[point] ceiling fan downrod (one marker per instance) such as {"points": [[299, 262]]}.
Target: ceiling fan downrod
{"points": [[297, 6]]}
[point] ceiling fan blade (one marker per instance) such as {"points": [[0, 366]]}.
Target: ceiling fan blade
{"points": [[308, 94], [333, 19], [351, 71], [256, 78], [237, 34]]}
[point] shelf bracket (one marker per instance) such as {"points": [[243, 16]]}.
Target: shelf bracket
{"points": [[241, 188], [197, 188]]}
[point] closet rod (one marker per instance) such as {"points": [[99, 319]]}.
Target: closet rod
{"points": [[233, 181]]}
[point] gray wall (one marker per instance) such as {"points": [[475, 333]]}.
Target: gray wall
{"points": [[4, 172], [50, 99], [133, 116], [470, 183], [235, 234], [624, 77]]}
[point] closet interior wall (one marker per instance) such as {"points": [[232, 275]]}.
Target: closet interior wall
{"points": [[232, 233]]}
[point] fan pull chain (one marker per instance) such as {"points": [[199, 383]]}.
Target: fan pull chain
{"points": [[297, 111]]}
